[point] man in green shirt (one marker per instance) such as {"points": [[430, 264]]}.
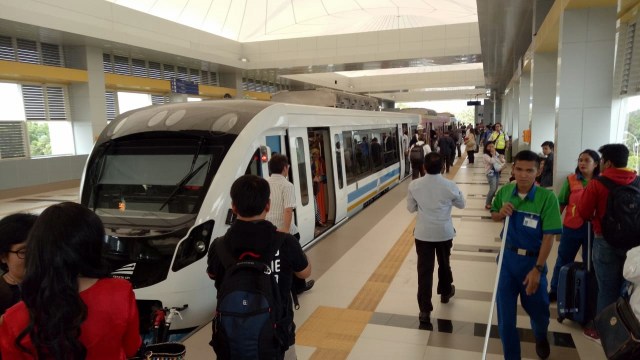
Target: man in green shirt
{"points": [[534, 220]]}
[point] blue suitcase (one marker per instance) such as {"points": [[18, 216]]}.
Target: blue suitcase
{"points": [[577, 290]]}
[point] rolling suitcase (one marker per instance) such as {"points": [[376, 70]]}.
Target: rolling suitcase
{"points": [[577, 290]]}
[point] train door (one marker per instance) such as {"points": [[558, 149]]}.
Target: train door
{"points": [[300, 158], [405, 149], [324, 178]]}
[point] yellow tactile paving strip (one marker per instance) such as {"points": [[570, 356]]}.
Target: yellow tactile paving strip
{"points": [[334, 331]]}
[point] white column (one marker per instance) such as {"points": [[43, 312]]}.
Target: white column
{"points": [[586, 53], [543, 99], [524, 106], [87, 100]]}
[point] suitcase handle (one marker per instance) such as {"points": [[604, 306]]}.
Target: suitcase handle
{"points": [[589, 240]]}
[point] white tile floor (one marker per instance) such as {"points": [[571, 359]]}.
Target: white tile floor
{"points": [[338, 280]]}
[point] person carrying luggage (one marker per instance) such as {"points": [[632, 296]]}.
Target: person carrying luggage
{"points": [[596, 205], [574, 228]]}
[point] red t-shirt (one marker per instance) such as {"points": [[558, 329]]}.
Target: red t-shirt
{"points": [[110, 331]]}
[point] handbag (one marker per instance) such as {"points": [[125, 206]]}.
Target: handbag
{"points": [[619, 331], [162, 351]]}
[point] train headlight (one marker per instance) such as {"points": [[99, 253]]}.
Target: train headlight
{"points": [[194, 247]]}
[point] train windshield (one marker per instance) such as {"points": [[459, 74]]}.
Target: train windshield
{"points": [[153, 180]]}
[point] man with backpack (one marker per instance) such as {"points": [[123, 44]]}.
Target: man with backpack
{"points": [[416, 156], [252, 265], [612, 203]]}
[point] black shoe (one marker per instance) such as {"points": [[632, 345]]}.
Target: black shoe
{"points": [[307, 286], [445, 298], [553, 297], [542, 348], [425, 317]]}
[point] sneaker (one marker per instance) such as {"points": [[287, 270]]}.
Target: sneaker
{"points": [[542, 348], [553, 297], [445, 298], [307, 286], [592, 335]]}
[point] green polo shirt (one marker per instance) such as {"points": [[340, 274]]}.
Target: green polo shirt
{"points": [[537, 214]]}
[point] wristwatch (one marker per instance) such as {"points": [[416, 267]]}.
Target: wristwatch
{"points": [[540, 268]]}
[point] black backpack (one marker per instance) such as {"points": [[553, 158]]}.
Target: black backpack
{"points": [[250, 320], [416, 155], [621, 220]]}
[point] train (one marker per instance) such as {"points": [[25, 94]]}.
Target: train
{"points": [[159, 179]]}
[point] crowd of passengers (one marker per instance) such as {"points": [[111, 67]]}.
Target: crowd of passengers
{"points": [[59, 302]]}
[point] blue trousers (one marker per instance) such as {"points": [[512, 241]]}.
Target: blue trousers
{"points": [[493, 186], [608, 263], [570, 242], [514, 270]]}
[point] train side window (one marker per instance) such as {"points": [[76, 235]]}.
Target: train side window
{"points": [[254, 167], [302, 171], [273, 142], [339, 159], [362, 151], [349, 156], [390, 146]]}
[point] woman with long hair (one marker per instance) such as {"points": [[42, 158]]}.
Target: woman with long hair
{"points": [[70, 309], [470, 145], [574, 229], [493, 163], [13, 249]]}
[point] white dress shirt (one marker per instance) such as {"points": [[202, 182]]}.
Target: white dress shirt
{"points": [[433, 197], [282, 197]]}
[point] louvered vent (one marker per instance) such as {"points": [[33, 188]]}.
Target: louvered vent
{"points": [[155, 70], [12, 139], [139, 67], [182, 73], [168, 72], [56, 104], [627, 58], [34, 103], [194, 75], [107, 65], [7, 52], [110, 102], [158, 99], [51, 54], [28, 51], [121, 65]]}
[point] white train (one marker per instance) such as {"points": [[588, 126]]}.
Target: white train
{"points": [[159, 178]]}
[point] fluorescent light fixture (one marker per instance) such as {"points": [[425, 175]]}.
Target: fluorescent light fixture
{"points": [[244, 59], [411, 70], [452, 88]]}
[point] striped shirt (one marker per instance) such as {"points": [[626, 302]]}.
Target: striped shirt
{"points": [[282, 197]]}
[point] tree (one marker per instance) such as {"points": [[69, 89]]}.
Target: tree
{"points": [[467, 115], [39, 139]]}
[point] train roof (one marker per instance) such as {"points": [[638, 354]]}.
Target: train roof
{"points": [[216, 116]]}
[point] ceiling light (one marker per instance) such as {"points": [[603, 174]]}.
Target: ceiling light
{"points": [[452, 88], [244, 59]]}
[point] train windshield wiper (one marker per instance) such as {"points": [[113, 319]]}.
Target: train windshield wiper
{"points": [[192, 172]]}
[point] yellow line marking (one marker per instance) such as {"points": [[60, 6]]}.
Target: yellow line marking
{"points": [[334, 331]]}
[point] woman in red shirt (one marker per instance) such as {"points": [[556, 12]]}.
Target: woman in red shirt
{"points": [[70, 308]]}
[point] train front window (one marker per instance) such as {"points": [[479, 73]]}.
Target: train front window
{"points": [[158, 177]]}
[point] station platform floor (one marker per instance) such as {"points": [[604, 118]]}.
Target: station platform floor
{"points": [[363, 305]]}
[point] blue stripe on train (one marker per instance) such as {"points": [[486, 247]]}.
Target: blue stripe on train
{"points": [[352, 196]]}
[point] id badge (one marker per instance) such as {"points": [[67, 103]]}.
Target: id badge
{"points": [[530, 222]]}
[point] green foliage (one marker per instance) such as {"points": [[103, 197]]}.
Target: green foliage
{"points": [[467, 115], [39, 139]]}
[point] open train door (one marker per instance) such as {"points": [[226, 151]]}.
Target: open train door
{"points": [[301, 171]]}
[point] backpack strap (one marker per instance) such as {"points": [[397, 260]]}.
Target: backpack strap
{"points": [[608, 183], [223, 252]]}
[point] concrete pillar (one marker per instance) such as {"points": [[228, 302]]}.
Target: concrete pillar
{"points": [[586, 53], [87, 100], [543, 99], [524, 107]]}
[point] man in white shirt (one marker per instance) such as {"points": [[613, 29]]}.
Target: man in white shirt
{"points": [[283, 201], [433, 197]]}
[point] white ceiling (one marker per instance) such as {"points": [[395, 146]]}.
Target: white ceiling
{"points": [[283, 35], [260, 20]]}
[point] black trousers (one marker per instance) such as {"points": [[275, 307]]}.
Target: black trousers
{"points": [[426, 261], [298, 284], [471, 156], [447, 162]]}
